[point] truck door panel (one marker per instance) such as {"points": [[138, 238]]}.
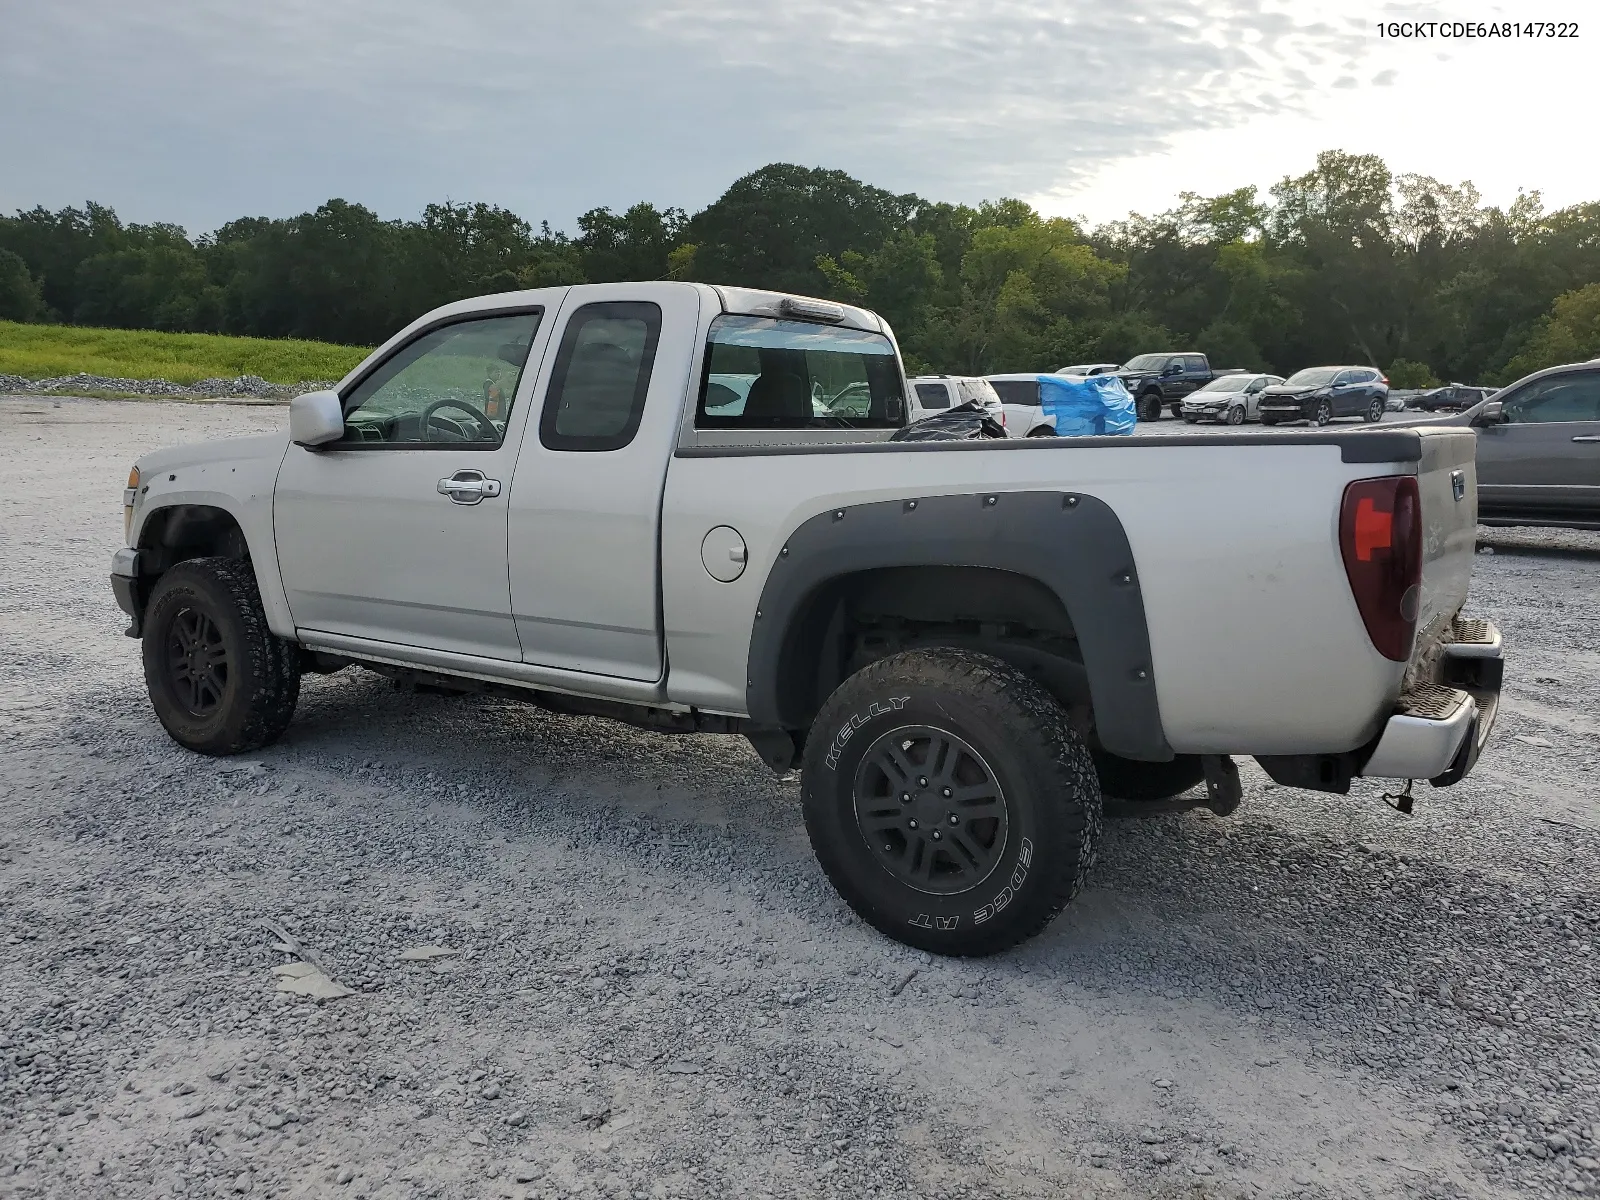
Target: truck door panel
{"points": [[585, 511], [397, 532]]}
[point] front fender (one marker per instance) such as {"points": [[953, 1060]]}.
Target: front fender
{"points": [[240, 486]]}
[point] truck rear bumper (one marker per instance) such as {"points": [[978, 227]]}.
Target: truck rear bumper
{"points": [[1439, 729]]}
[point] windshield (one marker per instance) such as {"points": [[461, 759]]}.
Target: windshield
{"points": [[1227, 383], [763, 373], [1312, 377], [1145, 362]]}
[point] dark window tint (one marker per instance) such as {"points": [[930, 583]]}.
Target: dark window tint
{"points": [[798, 375], [1559, 398], [1194, 362], [451, 385], [601, 375], [933, 395], [1017, 391]]}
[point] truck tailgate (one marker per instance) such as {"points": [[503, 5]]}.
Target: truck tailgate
{"points": [[1447, 485]]}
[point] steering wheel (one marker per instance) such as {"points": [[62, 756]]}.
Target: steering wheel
{"points": [[485, 427]]}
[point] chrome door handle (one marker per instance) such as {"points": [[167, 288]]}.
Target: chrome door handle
{"points": [[1594, 437], [468, 487]]}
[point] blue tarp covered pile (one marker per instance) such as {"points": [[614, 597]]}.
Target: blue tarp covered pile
{"points": [[1086, 405]]}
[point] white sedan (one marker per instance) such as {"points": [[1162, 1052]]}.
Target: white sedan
{"points": [[1227, 399]]}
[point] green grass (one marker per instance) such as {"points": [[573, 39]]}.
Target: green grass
{"points": [[45, 351]]}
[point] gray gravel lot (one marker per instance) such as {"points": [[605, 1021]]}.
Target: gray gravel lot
{"points": [[655, 994]]}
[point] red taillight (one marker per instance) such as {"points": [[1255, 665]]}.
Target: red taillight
{"points": [[1385, 379], [1380, 537]]}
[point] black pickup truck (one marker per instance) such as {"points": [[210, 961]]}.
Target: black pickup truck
{"points": [[1162, 380]]}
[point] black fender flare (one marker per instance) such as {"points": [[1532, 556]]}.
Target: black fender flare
{"points": [[1073, 544]]}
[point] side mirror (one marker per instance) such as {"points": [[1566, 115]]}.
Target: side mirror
{"points": [[316, 419], [1493, 413], [1173, 369]]}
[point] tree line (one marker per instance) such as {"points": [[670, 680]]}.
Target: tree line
{"points": [[1347, 263]]}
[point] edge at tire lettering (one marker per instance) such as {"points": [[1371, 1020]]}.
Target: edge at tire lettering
{"points": [[1019, 876], [875, 709], [943, 924]]}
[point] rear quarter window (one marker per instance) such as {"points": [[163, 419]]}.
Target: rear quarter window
{"points": [[1017, 391]]}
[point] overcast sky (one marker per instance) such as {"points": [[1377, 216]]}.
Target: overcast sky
{"points": [[198, 111]]}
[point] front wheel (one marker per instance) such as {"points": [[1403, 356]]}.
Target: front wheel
{"points": [[1323, 413], [219, 680], [949, 802], [1374, 412], [1148, 407], [1236, 415], [1191, 420], [1269, 420]]}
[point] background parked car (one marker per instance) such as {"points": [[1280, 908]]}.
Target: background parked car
{"points": [[1320, 394], [1228, 399], [932, 394], [1019, 395], [1454, 397], [1163, 380], [1088, 369], [1539, 449]]}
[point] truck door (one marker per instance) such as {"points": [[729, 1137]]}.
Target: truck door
{"points": [[396, 533], [585, 511]]}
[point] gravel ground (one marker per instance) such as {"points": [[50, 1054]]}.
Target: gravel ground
{"points": [[653, 993]]}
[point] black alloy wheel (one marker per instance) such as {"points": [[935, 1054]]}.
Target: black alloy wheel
{"points": [[931, 810], [197, 662], [219, 680]]}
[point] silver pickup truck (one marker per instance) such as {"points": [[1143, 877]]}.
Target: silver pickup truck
{"points": [[678, 506]]}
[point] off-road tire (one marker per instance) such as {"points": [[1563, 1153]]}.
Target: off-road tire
{"points": [[1041, 767], [1148, 407], [262, 683], [1126, 779]]}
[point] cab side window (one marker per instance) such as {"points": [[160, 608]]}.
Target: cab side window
{"points": [[1559, 398], [602, 371], [450, 386]]}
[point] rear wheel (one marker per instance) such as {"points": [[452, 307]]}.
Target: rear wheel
{"points": [[1042, 431], [1236, 415], [219, 680], [949, 802], [1374, 411]]}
